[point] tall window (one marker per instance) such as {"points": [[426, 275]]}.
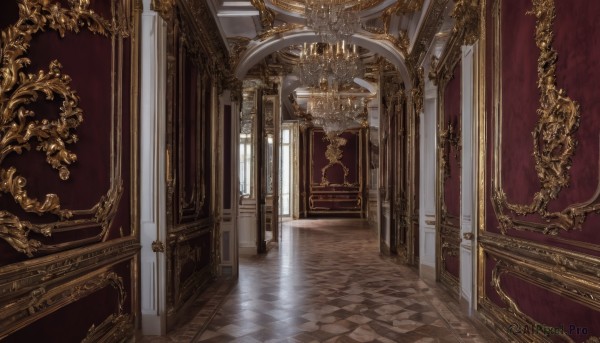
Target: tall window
{"points": [[286, 175], [245, 164], [247, 116]]}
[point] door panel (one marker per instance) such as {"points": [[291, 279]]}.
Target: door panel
{"points": [[448, 79]]}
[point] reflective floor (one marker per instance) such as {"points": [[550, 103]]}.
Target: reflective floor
{"points": [[327, 283]]}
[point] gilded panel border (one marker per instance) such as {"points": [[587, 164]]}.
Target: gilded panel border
{"points": [[33, 289], [447, 226], [563, 272], [554, 140], [19, 130]]}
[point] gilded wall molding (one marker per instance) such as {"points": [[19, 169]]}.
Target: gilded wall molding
{"points": [[164, 8], [442, 69], [418, 91], [116, 327], [19, 129], [431, 25], [267, 17], [299, 6], [278, 30], [466, 15], [238, 46], [401, 7], [25, 276], [561, 271], [343, 197], [47, 297], [201, 30], [554, 144], [449, 247], [334, 155], [449, 138]]}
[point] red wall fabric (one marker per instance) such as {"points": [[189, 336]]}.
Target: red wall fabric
{"points": [[577, 44], [452, 116], [350, 158], [576, 70], [346, 196], [87, 59]]}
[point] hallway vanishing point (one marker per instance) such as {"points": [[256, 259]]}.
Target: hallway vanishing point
{"points": [[326, 282]]}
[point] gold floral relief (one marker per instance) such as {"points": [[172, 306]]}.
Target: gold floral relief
{"points": [[450, 140], [554, 144], [334, 155], [267, 17], [466, 14], [117, 326], [277, 30], [164, 8], [565, 273], [45, 298], [418, 91], [21, 129]]}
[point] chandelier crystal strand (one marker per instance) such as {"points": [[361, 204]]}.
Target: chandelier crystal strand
{"points": [[331, 20], [336, 113], [332, 63]]}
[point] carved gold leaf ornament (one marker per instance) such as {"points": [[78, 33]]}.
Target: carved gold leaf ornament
{"points": [[449, 138], [334, 155], [418, 92], [554, 143], [19, 128], [466, 14], [266, 15]]}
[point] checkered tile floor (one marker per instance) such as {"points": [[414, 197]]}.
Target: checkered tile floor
{"points": [[326, 282]]}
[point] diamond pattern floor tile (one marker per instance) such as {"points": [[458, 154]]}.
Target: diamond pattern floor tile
{"points": [[326, 282]]}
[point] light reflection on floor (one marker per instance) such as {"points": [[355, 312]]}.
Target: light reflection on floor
{"points": [[326, 282]]}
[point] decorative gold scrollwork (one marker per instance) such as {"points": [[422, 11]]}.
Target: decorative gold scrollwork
{"points": [[418, 92], [449, 138], [275, 30], [266, 15], [158, 246], [466, 14], [554, 141], [117, 326], [164, 8], [334, 155], [18, 128]]}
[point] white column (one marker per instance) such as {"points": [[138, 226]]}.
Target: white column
{"points": [[427, 182], [467, 208], [152, 171]]}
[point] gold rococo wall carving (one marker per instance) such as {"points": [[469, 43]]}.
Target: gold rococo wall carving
{"points": [[534, 260], [53, 275], [52, 137]]}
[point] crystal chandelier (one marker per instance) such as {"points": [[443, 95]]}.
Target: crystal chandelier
{"points": [[331, 19], [328, 63], [336, 113]]}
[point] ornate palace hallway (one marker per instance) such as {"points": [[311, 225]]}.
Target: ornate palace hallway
{"points": [[327, 283]]}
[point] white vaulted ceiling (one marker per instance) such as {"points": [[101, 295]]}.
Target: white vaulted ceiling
{"points": [[258, 30]]}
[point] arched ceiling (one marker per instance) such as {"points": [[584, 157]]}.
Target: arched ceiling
{"points": [[258, 31]]}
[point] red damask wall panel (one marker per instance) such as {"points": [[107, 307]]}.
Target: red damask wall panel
{"points": [[336, 174], [68, 232], [542, 162], [450, 174]]}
